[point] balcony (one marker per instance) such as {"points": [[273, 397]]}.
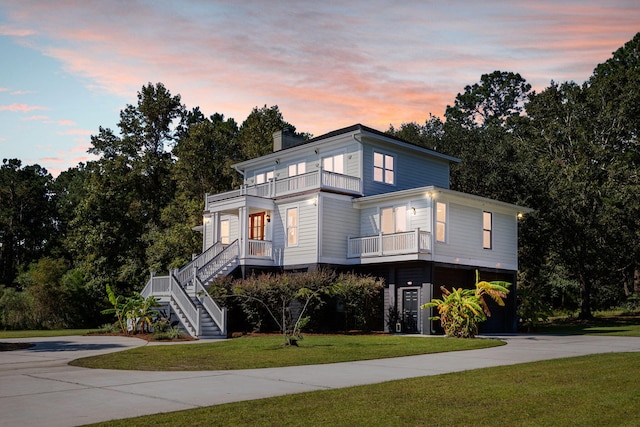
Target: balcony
{"points": [[320, 179], [407, 242]]}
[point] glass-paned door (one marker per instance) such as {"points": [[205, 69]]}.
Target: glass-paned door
{"points": [[256, 226]]}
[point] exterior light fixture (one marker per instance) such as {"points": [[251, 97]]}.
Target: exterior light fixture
{"points": [[268, 218]]}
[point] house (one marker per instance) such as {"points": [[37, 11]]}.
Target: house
{"points": [[352, 199]]}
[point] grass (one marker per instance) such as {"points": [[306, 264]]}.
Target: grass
{"points": [[45, 333], [268, 352], [582, 391], [602, 324]]}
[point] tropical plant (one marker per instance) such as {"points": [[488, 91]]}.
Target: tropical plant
{"points": [[117, 309], [462, 310]]}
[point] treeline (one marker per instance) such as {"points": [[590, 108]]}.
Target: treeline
{"points": [[570, 152]]}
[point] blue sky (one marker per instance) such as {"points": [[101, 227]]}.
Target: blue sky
{"points": [[70, 66]]}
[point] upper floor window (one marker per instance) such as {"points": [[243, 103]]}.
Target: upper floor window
{"points": [[334, 163], [297, 169], [487, 230], [263, 177], [393, 219], [383, 168], [292, 226], [441, 222]]}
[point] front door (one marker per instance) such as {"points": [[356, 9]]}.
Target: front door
{"points": [[256, 226], [410, 311]]}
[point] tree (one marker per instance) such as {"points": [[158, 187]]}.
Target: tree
{"points": [[27, 217], [255, 137], [127, 189]]}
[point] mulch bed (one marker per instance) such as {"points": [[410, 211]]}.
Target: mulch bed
{"points": [[11, 346]]}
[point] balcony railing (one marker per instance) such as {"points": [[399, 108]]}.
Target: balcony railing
{"points": [[407, 242], [259, 248], [319, 179]]}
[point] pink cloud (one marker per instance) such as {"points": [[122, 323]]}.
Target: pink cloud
{"points": [[21, 108], [6, 30], [35, 118]]}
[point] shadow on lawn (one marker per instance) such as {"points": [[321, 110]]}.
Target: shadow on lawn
{"points": [[597, 326]]}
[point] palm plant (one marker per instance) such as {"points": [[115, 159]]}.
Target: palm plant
{"points": [[460, 311]]}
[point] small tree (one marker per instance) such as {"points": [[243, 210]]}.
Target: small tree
{"points": [[286, 298], [461, 310]]}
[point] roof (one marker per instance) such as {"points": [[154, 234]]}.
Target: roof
{"points": [[357, 128]]}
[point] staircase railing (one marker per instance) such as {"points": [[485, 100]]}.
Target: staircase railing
{"points": [[222, 260], [186, 273], [218, 314], [184, 302]]}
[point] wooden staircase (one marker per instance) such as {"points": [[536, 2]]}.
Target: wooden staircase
{"points": [[185, 294]]}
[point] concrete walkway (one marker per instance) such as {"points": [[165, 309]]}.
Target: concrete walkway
{"points": [[37, 387]]}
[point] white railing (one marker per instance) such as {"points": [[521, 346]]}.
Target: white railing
{"points": [[338, 181], [219, 315], [157, 286], [189, 309], [259, 248], [229, 255], [407, 242], [294, 184], [186, 273]]}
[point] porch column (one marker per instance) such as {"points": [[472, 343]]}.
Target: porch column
{"points": [[243, 221]]}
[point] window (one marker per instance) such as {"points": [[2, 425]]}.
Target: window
{"points": [[487, 230], [224, 231], [383, 168], [334, 163], [441, 222], [393, 219], [263, 177], [297, 169], [292, 226]]}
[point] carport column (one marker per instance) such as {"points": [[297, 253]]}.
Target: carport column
{"points": [[426, 313], [389, 304]]}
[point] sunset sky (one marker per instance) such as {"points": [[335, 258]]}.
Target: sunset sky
{"points": [[69, 67]]}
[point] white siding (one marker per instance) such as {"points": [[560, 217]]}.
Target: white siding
{"points": [[306, 250], [339, 220], [464, 240]]}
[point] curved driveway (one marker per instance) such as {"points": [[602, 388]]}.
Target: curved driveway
{"points": [[38, 387]]}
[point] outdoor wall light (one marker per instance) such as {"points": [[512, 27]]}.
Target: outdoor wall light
{"points": [[268, 218]]}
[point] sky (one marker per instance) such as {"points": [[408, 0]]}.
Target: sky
{"points": [[69, 67]]}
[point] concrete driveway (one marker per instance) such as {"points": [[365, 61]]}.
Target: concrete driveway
{"points": [[37, 387]]}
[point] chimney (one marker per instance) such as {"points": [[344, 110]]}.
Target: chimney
{"points": [[284, 139]]}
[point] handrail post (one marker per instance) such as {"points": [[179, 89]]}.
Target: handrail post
{"points": [[417, 232], [198, 330], [380, 251]]}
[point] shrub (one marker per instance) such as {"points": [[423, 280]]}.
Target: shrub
{"points": [[461, 310]]}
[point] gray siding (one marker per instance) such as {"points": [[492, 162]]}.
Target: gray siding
{"points": [[412, 169]]}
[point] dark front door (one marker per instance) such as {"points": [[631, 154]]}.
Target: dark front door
{"points": [[410, 311]]}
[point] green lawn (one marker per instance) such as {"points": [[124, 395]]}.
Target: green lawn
{"points": [[622, 326], [45, 333], [599, 390], [268, 352]]}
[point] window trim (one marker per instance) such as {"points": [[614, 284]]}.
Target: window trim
{"points": [[394, 218], [445, 222], [226, 236], [384, 169], [487, 232], [297, 165], [333, 156], [296, 227]]}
